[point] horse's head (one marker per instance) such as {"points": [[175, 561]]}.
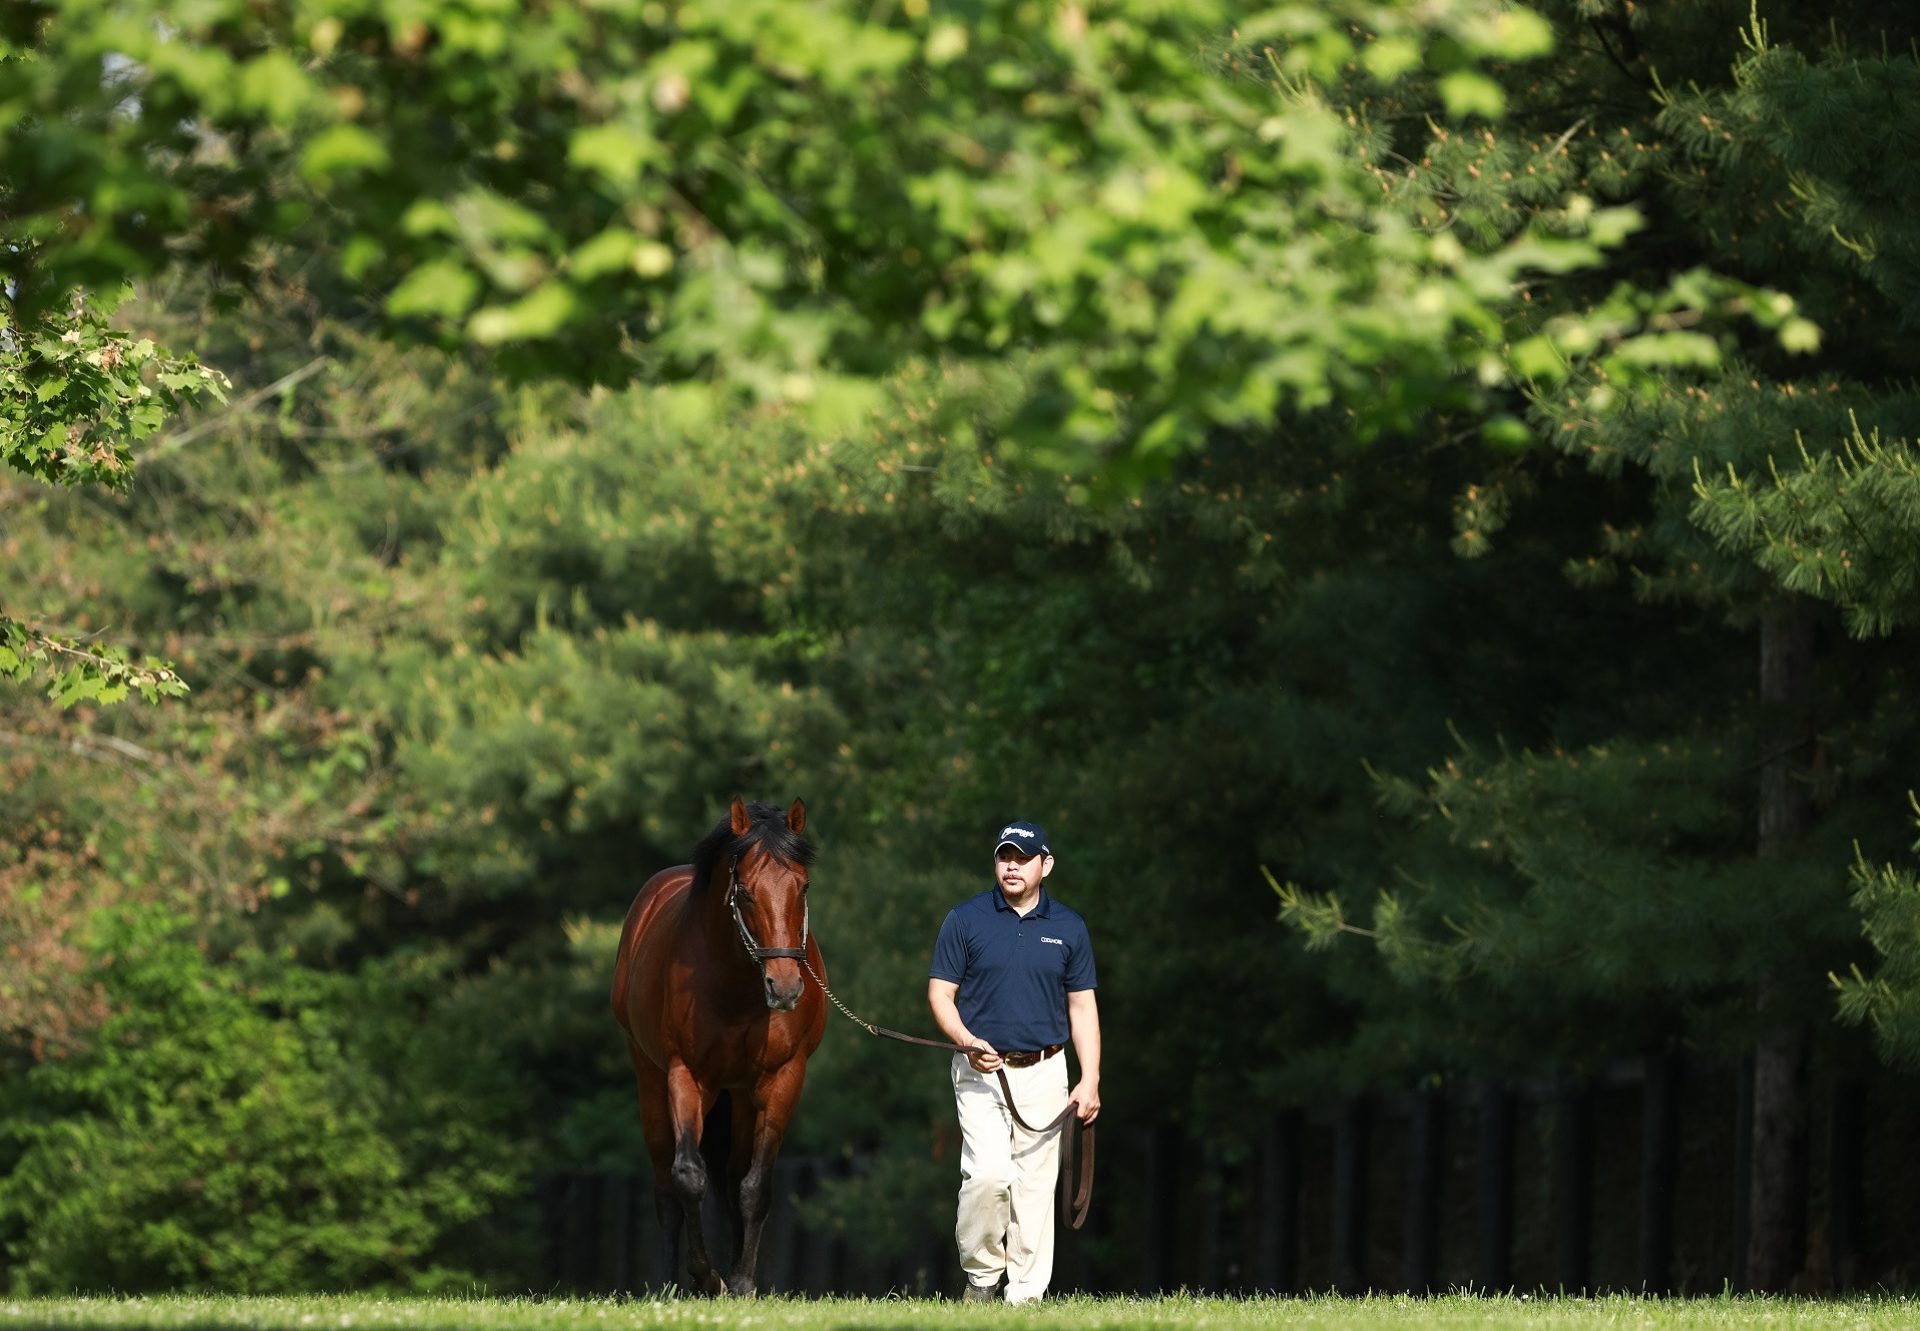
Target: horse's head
{"points": [[767, 895]]}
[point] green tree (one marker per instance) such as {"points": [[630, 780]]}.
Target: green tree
{"points": [[232, 1129], [1833, 519], [1552, 873], [793, 199], [75, 394]]}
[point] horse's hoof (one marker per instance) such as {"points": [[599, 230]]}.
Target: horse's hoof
{"points": [[741, 1288], [713, 1284]]}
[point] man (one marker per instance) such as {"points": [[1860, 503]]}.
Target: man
{"points": [[1013, 975]]}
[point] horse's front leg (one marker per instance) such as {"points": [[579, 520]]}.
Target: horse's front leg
{"points": [[688, 1104], [762, 1119], [656, 1122]]}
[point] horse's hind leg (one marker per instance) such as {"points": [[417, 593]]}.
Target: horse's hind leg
{"points": [[688, 1106], [761, 1119]]}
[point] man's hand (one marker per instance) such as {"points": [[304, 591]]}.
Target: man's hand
{"points": [[940, 1001], [1086, 1096]]}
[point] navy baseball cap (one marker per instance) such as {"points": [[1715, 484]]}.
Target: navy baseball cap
{"points": [[1027, 838]]}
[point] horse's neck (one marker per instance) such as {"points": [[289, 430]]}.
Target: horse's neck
{"points": [[714, 935]]}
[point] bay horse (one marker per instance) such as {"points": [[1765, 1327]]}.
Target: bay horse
{"points": [[709, 989]]}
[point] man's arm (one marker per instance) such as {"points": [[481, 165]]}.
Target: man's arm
{"points": [[1083, 1017], [946, 1015]]}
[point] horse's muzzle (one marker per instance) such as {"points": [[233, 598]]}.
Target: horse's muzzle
{"points": [[784, 995]]}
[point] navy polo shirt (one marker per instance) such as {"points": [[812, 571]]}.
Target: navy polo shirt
{"points": [[1014, 971]]}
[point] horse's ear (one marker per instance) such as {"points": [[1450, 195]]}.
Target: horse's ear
{"points": [[797, 815], [741, 819]]}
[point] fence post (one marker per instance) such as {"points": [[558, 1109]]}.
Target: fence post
{"points": [[1207, 1256], [1493, 1258], [1350, 1197], [1659, 1155], [1426, 1173], [777, 1252], [816, 1245], [1846, 1185], [1160, 1233], [1276, 1210], [617, 1202], [1742, 1170], [1573, 1186]]}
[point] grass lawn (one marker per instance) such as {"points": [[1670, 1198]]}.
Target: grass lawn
{"points": [[1176, 1313]]}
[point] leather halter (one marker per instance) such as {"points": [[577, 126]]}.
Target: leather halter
{"points": [[762, 955]]}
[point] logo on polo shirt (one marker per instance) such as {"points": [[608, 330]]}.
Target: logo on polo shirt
{"points": [[1060, 941]]}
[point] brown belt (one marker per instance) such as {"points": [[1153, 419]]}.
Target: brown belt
{"points": [[1026, 1058]]}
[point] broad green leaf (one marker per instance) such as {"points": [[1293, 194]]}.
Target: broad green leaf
{"points": [[610, 251], [1511, 33], [1800, 336], [1390, 57], [540, 313], [274, 83], [429, 217], [485, 216], [341, 150], [945, 44], [1470, 93], [442, 289], [1536, 359], [614, 151]]}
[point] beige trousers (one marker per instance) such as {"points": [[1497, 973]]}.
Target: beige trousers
{"points": [[1007, 1174]]}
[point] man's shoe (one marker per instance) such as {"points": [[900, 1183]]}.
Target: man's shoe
{"points": [[981, 1293]]}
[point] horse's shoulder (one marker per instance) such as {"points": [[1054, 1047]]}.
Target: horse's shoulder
{"points": [[654, 895], [666, 882]]}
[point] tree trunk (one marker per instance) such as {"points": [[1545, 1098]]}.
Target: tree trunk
{"points": [[1777, 1232]]}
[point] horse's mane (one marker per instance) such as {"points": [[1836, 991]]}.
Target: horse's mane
{"points": [[767, 829]]}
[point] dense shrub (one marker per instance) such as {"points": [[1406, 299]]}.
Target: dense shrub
{"points": [[240, 1125]]}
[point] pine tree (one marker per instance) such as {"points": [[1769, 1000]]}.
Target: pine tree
{"points": [[1749, 158]]}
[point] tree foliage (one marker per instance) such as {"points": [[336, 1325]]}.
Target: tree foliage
{"points": [[792, 198], [482, 631], [233, 1128]]}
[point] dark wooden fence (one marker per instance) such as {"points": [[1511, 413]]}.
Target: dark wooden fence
{"points": [[1632, 1181], [603, 1237]]}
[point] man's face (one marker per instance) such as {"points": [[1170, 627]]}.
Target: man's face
{"points": [[1019, 874]]}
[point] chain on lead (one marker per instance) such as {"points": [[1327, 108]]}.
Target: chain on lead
{"points": [[834, 998]]}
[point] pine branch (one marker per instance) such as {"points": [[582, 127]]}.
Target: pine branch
{"points": [[1618, 63]]}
